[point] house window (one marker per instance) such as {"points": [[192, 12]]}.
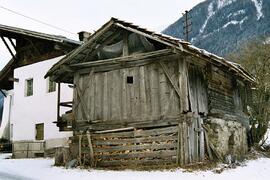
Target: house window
{"points": [[40, 131], [51, 86], [29, 87]]}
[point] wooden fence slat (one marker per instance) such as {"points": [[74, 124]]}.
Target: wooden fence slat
{"points": [[156, 131], [134, 140], [134, 147], [91, 151], [138, 133], [135, 163], [150, 154]]}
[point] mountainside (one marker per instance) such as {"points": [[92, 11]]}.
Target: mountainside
{"points": [[220, 26]]}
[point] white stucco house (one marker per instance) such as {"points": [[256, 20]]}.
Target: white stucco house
{"points": [[32, 116], [31, 105]]}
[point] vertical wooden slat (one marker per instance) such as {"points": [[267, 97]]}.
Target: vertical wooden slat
{"points": [[153, 90], [148, 90], [181, 143], [201, 138], [178, 158], [191, 139], [124, 94], [189, 145], [192, 89], [136, 88], [183, 85], [115, 91], [98, 95], [75, 104], [131, 92], [105, 96], [163, 93], [186, 143], [91, 100], [109, 94], [196, 140], [125, 44], [142, 93]]}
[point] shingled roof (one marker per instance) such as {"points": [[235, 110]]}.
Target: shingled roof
{"points": [[14, 32], [175, 43]]}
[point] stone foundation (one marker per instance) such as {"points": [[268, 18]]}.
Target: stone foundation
{"points": [[228, 137]]}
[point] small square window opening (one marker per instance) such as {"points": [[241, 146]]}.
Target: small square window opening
{"points": [[130, 79]]}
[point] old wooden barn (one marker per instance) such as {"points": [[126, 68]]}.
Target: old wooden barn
{"points": [[145, 99]]}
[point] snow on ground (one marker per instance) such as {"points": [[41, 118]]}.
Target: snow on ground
{"points": [[42, 169]]}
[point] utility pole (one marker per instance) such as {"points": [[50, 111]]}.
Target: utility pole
{"points": [[187, 25]]}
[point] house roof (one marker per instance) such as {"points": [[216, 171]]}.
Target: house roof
{"points": [[19, 33], [178, 44], [14, 32]]}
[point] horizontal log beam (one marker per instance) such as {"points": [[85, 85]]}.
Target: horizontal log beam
{"points": [[66, 104], [130, 58]]}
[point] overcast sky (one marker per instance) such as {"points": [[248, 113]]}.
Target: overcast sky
{"points": [[89, 15]]}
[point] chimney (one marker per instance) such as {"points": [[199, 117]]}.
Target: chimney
{"points": [[84, 36]]}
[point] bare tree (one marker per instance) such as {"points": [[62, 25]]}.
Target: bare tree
{"points": [[254, 56]]}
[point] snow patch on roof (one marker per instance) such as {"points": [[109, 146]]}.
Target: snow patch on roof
{"points": [[258, 5]]}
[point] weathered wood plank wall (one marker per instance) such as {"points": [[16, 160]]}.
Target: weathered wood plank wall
{"points": [[220, 91], [108, 95]]}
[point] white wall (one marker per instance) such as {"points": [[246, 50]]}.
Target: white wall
{"points": [[41, 107], [4, 127]]}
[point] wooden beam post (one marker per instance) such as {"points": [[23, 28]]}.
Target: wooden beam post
{"points": [[80, 149], [91, 151], [12, 43], [58, 101], [125, 44]]}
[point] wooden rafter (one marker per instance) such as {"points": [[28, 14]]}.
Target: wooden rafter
{"points": [[12, 43], [6, 44]]}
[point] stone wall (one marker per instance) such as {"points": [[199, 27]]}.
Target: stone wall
{"points": [[227, 137], [32, 149], [27, 149]]}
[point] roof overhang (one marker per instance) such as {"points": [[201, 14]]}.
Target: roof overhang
{"points": [[19, 34]]}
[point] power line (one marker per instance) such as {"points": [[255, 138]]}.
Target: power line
{"points": [[36, 20]]}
